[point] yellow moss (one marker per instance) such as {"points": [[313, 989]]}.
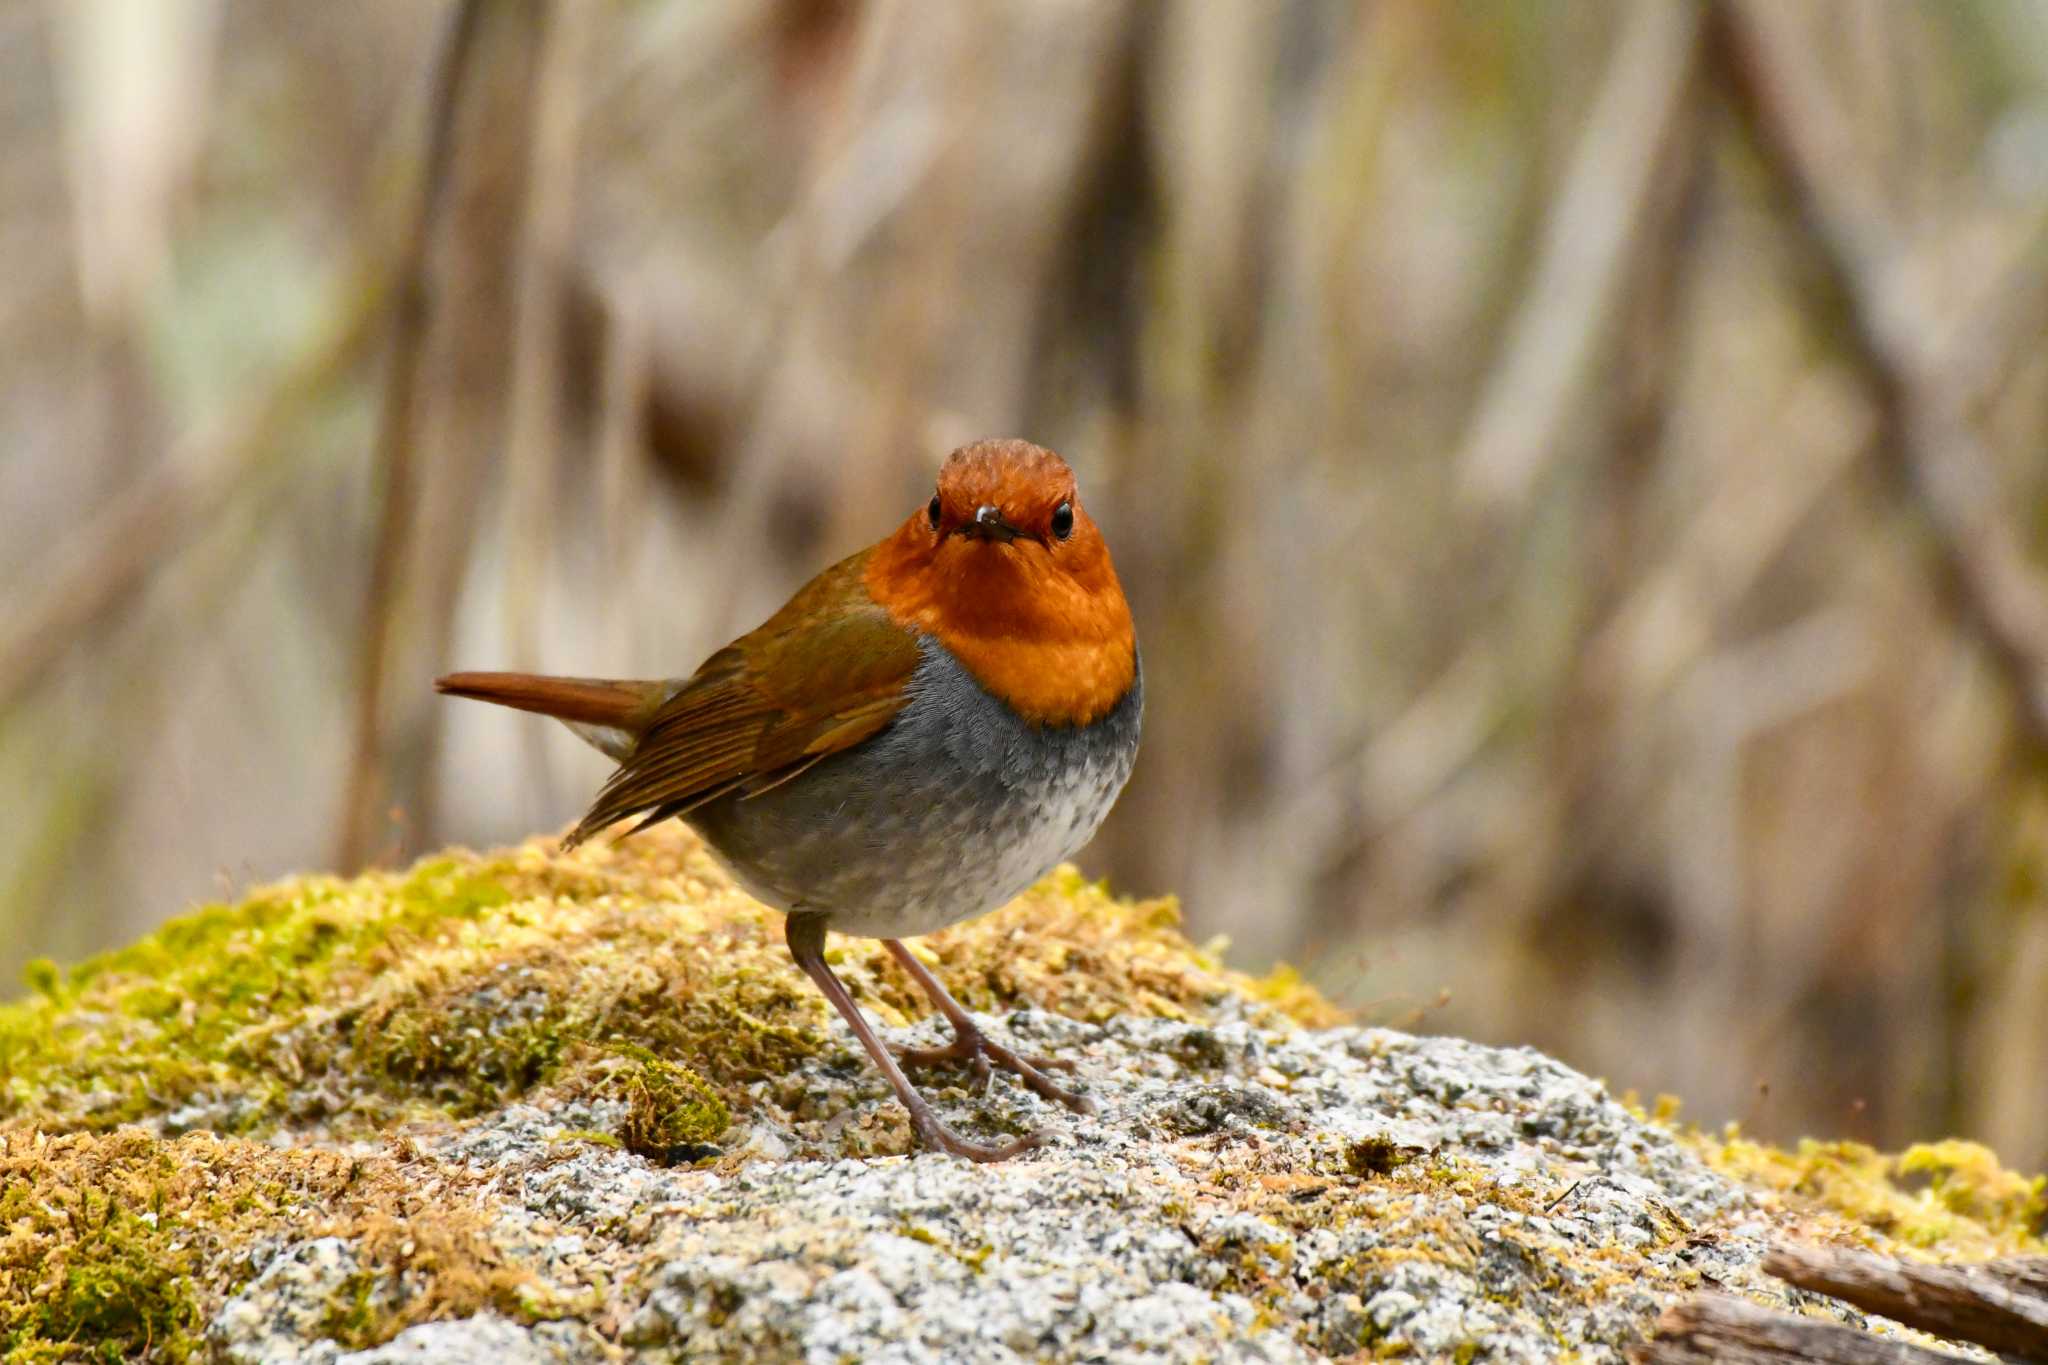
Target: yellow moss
{"points": [[467, 980], [1968, 1180], [197, 1007], [1069, 946], [130, 1242], [641, 971], [119, 1280], [669, 1108], [1951, 1199]]}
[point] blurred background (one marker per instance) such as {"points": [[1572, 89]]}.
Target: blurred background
{"points": [[1578, 468]]}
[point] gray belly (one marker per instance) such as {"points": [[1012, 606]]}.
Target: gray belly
{"points": [[954, 809]]}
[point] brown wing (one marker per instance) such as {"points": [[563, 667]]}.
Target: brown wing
{"points": [[819, 676]]}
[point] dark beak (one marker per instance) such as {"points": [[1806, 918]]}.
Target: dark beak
{"points": [[988, 524]]}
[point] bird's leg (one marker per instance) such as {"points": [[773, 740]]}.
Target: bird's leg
{"points": [[977, 1049], [806, 936]]}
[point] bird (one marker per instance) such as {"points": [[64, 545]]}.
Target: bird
{"points": [[916, 737]]}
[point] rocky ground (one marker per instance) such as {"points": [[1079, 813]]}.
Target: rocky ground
{"points": [[1260, 1184]]}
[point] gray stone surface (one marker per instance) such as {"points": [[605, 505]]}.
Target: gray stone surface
{"points": [[1244, 1195], [279, 1317], [480, 1340]]}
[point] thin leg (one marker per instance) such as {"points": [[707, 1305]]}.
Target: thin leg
{"points": [[806, 937], [977, 1049]]}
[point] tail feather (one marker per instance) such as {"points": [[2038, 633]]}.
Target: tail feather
{"points": [[608, 713]]}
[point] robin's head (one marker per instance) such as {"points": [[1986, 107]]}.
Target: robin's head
{"points": [[1003, 491], [1006, 568]]}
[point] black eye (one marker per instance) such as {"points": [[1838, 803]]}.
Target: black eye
{"points": [[1063, 520], [933, 511]]}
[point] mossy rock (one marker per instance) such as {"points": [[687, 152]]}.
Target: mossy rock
{"points": [[527, 1087], [335, 1009], [470, 979]]}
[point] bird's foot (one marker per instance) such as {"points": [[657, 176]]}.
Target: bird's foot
{"points": [[939, 1138], [980, 1053]]}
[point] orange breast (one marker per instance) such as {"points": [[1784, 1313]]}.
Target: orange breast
{"points": [[1049, 634]]}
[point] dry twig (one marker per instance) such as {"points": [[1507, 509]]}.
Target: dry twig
{"points": [[1999, 1304], [534, 435], [1719, 1329]]}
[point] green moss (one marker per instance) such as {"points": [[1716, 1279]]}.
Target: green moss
{"points": [[122, 1245], [450, 988], [122, 1286], [43, 976], [231, 957], [669, 1108], [199, 1006], [110, 1245], [464, 1055], [352, 1320], [340, 1008]]}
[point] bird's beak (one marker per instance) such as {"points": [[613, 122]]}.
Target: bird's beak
{"points": [[988, 524]]}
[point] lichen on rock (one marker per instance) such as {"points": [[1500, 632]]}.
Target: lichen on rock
{"points": [[529, 1105]]}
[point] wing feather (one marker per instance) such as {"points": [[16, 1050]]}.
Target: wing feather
{"points": [[826, 672]]}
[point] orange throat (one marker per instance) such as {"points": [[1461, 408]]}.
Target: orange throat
{"points": [[1051, 637]]}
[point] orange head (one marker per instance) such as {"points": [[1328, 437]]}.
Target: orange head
{"points": [[1005, 568]]}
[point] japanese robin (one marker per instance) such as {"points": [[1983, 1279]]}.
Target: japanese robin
{"points": [[917, 736]]}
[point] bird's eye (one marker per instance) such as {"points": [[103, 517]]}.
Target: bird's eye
{"points": [[933, 511], [1063, 520]]}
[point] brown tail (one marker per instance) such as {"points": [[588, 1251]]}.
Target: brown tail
{"points": [[607, 713]]}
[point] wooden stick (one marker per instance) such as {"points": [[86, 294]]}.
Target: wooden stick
{"points": [[1720, 1329], [1976, 1304]]}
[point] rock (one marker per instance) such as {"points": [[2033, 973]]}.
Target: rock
{"points": [[480, 1340], [285, 1316], [1258, 1185], [1530, 1212], [1244, 1236]]}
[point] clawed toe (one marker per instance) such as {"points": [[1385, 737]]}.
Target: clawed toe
{"points": [[980, 1054], [1027, 1070], [938, 1137], [806, 935], [971, 1046], [959, 1050]]}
